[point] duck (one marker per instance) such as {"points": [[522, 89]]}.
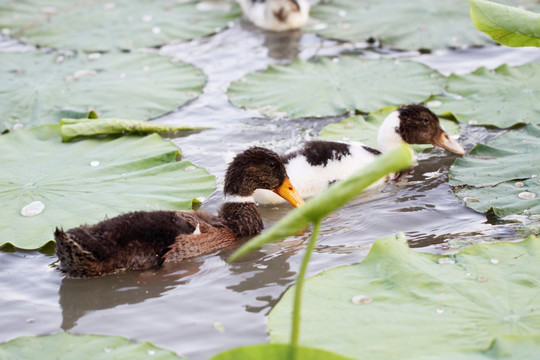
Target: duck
{"points": [[276, 15], [317, 164], [149, 239]]}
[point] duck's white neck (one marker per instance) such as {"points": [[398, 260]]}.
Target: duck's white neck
{"points": [[238, 199], [388, 137]]}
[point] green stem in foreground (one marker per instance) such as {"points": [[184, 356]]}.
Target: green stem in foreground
{"points": [[295, 331]]}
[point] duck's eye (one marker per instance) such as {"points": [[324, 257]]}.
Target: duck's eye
{"points": [[272, 164], [425, 120]]}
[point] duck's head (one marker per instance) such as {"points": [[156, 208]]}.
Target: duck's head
{"points": [[416, 124], [259, 168]]}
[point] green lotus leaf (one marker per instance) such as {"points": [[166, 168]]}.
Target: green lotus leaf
{"points": [[65, 346], [402, 304], [356, 128], [412, 25], [502, 176], [326, 88], [75, 128], [59, 184], [503, 97], [38, 88], [104, 25], [275, 352], [506, 25]]}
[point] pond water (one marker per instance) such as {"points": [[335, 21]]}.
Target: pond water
{"points": [[200, 307]]}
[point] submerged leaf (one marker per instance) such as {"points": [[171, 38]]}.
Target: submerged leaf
{"points": [[417, 306], [38, 88], [356, 128], [104, 25], [503, 97], [325, 87], [275, 352], [75, 128], [64, 346], [506, 25], [503, 176], [47, 184]]}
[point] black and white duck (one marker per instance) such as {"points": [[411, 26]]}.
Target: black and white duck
{"points": [[276, 15], [148, 239], [317, 164]]}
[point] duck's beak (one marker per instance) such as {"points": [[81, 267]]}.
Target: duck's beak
{"points": [[287, 191], [446, 142]]}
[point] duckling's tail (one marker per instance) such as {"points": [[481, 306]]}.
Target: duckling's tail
{"points": [[74, 260]]}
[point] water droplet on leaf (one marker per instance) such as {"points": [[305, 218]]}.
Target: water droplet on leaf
{"points": [[446, 260], [361, 300], [481, 278], [519, 184], [190, 168], [494, 261], [527, 195], [33, 209], [94, 163]]}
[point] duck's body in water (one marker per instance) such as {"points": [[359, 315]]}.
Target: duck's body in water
{"points": [[318, 164], [145, 240], [276, 15]]}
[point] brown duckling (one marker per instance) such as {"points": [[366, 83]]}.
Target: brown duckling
{"points": [[145, 240]]}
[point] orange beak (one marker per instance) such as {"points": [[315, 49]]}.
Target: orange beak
{"points": [[446, 142], [287, 191]]}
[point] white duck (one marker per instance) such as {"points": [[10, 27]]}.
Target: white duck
{"points": [[276, 15], [317, 164]]}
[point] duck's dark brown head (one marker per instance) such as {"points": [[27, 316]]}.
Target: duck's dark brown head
{"points": [[419, 125], [259, 168]]}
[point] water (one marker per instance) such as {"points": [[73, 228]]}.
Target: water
{"points": [[200, 307]]}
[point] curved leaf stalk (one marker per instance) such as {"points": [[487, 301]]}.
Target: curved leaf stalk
{"points": [[295, 332]]}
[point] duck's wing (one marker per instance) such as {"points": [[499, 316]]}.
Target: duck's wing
{"points": [[209, 235]]}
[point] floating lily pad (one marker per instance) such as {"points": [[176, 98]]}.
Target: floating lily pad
{"points": [[325, 87], [507, 25], [502, 176], [109, 25], [503, 97], [75, 128], [402, 304], [417, 24], [275, 352], [356, 128], [38, 88], [64, 346], [46, 183]]}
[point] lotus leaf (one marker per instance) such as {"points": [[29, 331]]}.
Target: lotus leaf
{"points": [[356, 128], [74, 128], [503, 97], [332, 87], [507, 25], [503, 176], [402, 304], [275, 352], [64, 346], [412, 25], [39, 88], [67, 184], [103, 25]]}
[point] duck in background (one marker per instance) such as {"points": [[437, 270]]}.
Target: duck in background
{"points": [[276, 15], [317, 164], [148, 239]]}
